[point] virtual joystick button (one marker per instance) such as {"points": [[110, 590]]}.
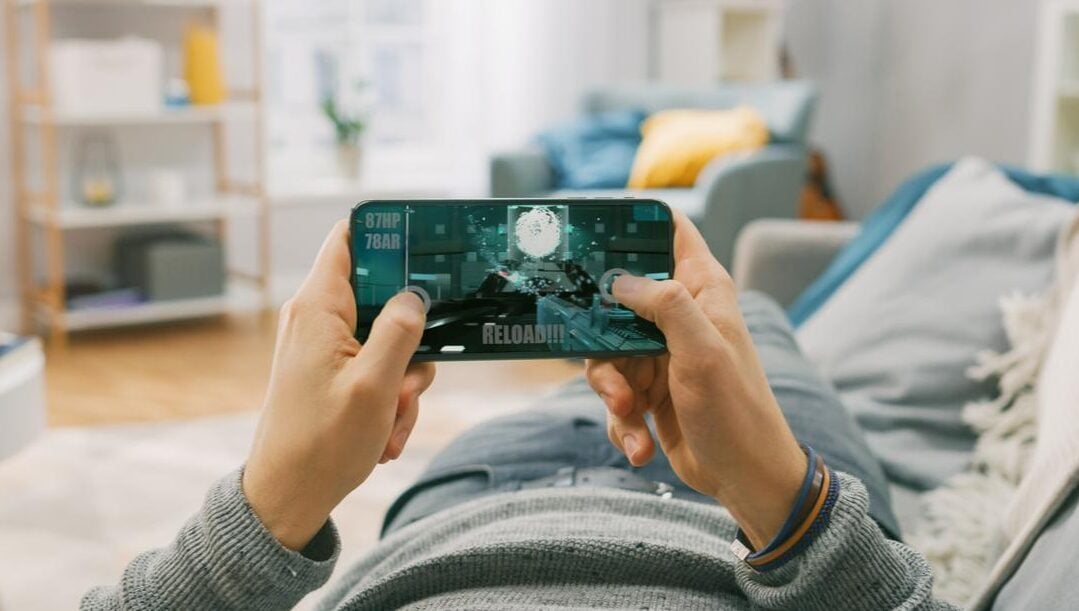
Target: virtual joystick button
{"points": [[421, 293], [606, 280]]}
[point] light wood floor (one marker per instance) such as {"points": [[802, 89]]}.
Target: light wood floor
{"points": [[215, 366]]}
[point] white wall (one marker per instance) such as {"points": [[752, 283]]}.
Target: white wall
{"points": [[906, 84], [8, 278]]}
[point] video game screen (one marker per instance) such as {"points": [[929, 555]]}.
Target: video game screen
{"points": [[512, 277]]}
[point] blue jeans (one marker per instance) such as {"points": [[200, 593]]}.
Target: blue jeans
{"points": [[570, 431]]}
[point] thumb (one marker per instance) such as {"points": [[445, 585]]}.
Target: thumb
{"points": [[394, 337], [668, 304]]}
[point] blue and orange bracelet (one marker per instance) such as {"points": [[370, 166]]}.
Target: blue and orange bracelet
{"points": [[808, 517]]}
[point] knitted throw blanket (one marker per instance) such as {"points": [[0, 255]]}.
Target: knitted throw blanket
{"points": [[964, 526]]}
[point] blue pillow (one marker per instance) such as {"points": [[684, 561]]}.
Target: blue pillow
{"points": [[595, 151], [878, 226]]}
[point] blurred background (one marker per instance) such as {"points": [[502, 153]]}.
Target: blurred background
{"points": [[168, 169]]}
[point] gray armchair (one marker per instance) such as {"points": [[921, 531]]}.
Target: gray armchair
{"points": [[731, 191], [783, 257]]}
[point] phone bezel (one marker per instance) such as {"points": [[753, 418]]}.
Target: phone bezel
{"points": [[508, 201]]}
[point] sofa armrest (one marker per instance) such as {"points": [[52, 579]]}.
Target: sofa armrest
{"points": [[520, 174], [783, 257], [738, 189]]}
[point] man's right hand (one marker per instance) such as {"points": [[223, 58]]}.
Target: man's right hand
{"points": [[715, 415]]}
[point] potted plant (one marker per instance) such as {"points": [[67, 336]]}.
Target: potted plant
{"points": [[348, 128]]}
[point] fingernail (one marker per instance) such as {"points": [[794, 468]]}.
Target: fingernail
{"points": [[629, 445], [412, 300], [627, 285], [399, 441]]}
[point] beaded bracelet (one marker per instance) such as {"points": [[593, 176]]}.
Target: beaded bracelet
{"points": [[807, 519]]}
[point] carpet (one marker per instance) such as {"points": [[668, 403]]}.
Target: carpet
{"points": [[78, 504]]}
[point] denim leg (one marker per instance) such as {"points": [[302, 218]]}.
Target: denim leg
{"points": [[498, 455], [812, 407], [570, 431]]}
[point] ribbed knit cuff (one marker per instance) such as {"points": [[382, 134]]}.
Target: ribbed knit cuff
{"points": [[228, 509], [223, 558], [849, 553]]}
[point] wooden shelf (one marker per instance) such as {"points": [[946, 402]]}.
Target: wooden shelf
{"points": [[40, 225], [165, 116], [143, 313], [74, 216]]}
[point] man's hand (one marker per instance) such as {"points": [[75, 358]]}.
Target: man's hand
{"points": [[334, 408], [715, 415]]}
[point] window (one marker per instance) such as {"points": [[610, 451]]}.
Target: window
{"points": [[370, 54]]}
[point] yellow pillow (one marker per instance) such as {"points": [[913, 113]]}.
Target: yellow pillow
{"points": [[677, 144]]}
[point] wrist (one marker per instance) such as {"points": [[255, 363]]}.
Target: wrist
{"points": [[293, 521], [767, 484]]}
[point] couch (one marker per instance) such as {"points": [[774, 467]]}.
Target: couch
{"points": [[731, 191], [1000, 534]]}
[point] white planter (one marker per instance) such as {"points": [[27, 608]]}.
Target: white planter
{"points": [[349, 158]]}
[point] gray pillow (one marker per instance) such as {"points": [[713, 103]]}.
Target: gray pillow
{"points": [[897, 337]]}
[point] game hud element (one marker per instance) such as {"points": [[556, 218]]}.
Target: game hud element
{"points": [[512, 278]]}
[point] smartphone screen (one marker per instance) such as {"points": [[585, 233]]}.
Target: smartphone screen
{"points": [[513, 278]]}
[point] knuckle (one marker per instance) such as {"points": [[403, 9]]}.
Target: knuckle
{"points": [[730, 330], [723, 280], [671, 293], [612, 434], [715, 358], [290, 310], [404, 321], [363, 385], [301, 304]]}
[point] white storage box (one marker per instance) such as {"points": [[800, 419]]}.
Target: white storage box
{"points": [[106, 76], [22, 392]]}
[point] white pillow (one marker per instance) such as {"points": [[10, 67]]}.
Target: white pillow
{"points": [[897, 337]]}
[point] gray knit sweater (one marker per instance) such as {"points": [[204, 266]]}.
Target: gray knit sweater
{"points": [[536, 549]]}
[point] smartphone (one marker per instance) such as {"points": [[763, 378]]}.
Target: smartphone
{"points": [[513, 278]]}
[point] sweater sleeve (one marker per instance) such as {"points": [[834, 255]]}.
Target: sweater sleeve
{"points": [[223, 558], [850, 562]]}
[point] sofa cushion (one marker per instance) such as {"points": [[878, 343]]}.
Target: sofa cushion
{"points": [[879, 225], [677, 144], [689, 201], [595, 151], [897, 337], [787, 105]]}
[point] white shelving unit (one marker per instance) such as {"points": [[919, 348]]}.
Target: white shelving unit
{"points": [[148, 3], [36, 115], [44, 218], [119, 316], [1054, 130], [704, 41], [71, 216]]}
